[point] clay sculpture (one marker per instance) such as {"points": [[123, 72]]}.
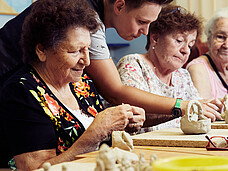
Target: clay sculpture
{"points": [[122, 140], [193, 122], [225, 113]]}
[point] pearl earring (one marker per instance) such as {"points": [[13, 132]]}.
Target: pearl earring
{"points": [[153, 47]]}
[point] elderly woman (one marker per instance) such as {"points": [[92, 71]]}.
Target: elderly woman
{"points": [[49, 107], [209, 72], [159, 71]]}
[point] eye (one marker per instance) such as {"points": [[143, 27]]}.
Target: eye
{"points": [[178, 40], [221, 37], [141, 22], [74, 51]]}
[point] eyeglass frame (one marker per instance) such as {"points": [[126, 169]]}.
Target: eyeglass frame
{"points": [[214, 148]]}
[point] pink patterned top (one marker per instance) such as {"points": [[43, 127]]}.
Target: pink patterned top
{"points": [[217, 89]]}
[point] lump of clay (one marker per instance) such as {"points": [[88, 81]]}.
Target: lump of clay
{"points": [[122, 140], [120, 154], [193, 122], [224, 115], [121, 160]]}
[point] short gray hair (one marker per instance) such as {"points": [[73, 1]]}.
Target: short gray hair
{"points": [[221, 13]]}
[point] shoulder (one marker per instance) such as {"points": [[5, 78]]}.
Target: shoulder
{"points": [[130, 59], [200, 61]]}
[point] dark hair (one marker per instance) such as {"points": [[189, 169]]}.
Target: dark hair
{"points": [[174, 18], [49, 21], [133, 4]]}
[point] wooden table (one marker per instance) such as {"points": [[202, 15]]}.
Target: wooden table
{"points": [[161, 152], [219, 125]]}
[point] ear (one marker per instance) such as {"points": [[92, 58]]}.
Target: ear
{"points": [[153, 39], [118, 6], [40, 52]]}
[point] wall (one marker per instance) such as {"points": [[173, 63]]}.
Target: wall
{"points": [[124, 47], [4, 19], [203, 8]]}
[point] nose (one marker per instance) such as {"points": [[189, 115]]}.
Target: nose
{"points": [[144, 30], [185, 50], [225, 44], [85, 60]]}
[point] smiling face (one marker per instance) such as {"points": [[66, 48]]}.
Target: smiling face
{"points": [[218, 42], [131, 24], [173, 49], [67, 61]]}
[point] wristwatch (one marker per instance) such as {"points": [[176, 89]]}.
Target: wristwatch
{"points": [[176, 111]]}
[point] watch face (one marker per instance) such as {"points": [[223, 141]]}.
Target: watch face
{"points": [[176, 112]]}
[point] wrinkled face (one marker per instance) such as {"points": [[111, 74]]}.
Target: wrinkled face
{"points": [[218, 43], [173, 49], [67, 61], [131, 24]]}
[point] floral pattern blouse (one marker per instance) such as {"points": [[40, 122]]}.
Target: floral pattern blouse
{"points": [[135, 72], [37, 118]]}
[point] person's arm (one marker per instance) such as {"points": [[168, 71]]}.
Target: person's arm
{"points": [[108, 83], [201, 80], [111, 119]]}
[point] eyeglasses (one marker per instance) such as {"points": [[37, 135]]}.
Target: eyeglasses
{"points": [[217, 143], [221, 38]]}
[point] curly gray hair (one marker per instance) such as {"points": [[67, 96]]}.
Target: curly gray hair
{"points": [[221, 13]]}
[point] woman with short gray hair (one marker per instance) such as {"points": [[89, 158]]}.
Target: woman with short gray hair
{"points": [[209, 72]]}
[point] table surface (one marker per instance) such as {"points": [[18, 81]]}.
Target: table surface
{"points": [[160, 152], [174, 137]]}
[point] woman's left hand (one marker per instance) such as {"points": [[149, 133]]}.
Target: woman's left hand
{"points": [[212, 108], [137, 121]]}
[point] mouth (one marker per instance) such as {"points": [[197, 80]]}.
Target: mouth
{"points": [[224, 52], [78, 70]]}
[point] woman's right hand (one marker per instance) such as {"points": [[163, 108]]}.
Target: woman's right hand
{"points": [[118, 117], [211, 108]]}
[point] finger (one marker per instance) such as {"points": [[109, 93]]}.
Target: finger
{"points": [[134, 127], [138, 110], [209, 112], [218, 102], [135, 124], [211, 116], [212, 106], [137, 118]]}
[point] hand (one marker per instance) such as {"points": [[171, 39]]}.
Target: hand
{"points": [[137, 121], [212, 108], [115, 118]]}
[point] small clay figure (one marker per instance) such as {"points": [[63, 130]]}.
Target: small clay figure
{"points": [[193, 122], [224, 115], [122, 140]]}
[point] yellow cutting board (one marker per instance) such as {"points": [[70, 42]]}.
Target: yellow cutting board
{"points": [[219, 125], [174, 137]]}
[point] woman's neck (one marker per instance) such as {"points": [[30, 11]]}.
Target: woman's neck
{"points": [[49, 78], [162, 73]]}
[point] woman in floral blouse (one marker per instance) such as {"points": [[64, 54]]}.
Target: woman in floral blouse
{"points": [[50, 110], [159, 71]]}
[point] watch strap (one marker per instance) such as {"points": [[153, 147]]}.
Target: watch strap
{"points": [[178, 103]]}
